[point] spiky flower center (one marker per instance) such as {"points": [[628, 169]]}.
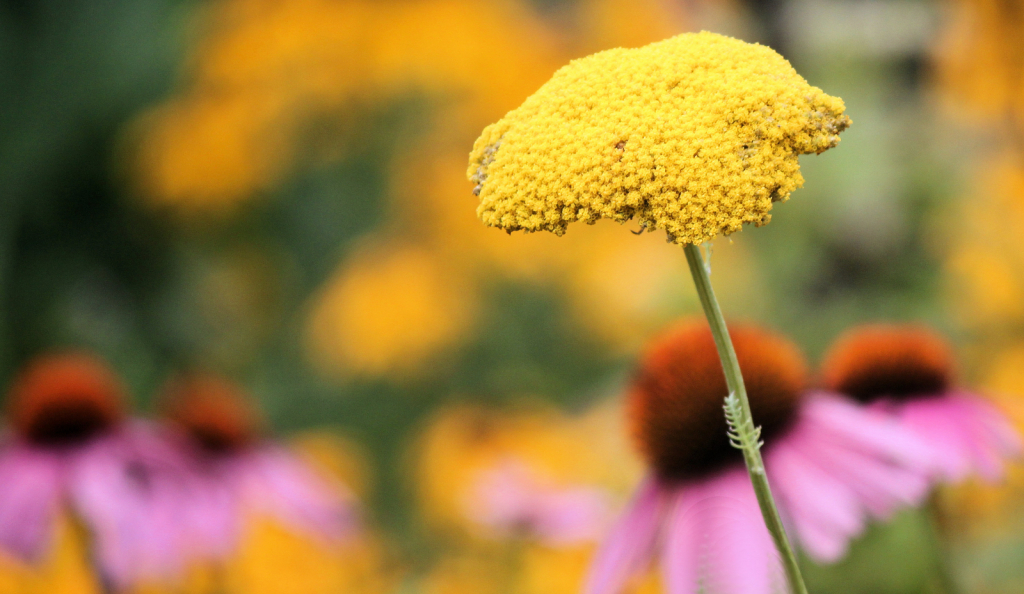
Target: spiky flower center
{"points": [[889, 361], [676, 398], [65, 400], [213, 412]]}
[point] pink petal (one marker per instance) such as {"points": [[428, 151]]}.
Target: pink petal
{"points": [[967, 435], [570, 516], [869, 429], [941, 429], [990, 435], [132, 504], [210, 499], [506, 497], [512, 497], [212, 514], [885, 473], [882, 487], [1004, 437], [278, 483], [681, 551], [823, 511], [717, 541], [30, 492], [629, 546]]}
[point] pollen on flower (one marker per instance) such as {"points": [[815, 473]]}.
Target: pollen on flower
{"points": [[63, 399], [213, 411], [697, 135], [675, 402], [889, 361]]}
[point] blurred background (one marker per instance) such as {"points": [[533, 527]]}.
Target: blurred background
{"points": [[275, 190]]}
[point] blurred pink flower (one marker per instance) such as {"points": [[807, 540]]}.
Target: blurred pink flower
{"points": [[511, 499], [242, 475], [966, 433], [832, 465], [908, 371], [72, 451]]}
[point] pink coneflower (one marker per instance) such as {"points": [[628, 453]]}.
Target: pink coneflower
{"points": [[71, 449], [831, 464], [909, 371], [511, 499], [242, 474]]}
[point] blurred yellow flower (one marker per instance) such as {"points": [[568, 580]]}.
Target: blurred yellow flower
{"points": [[985, 250], [65, 570], [1006, 377], [523, 569], [624, 288], [627, 23], [984, 510], [338, 459], [519, 568], [265, 70], [978, 61], [554, 570], [330, 52], [984, 254], [207, 151], [547, 570], [273, 560], [987, 285], [697, 135], [979, 55], [460, 443], [985, 278], [390, 309], [464, 443], [314, 50], [467, 573], [483, 57]]}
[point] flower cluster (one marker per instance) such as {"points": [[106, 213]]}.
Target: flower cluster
{"points": [[697, 135], [155, 497], [887, 425]]}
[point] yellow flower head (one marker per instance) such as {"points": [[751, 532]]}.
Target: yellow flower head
{"points": [[696, 135]]}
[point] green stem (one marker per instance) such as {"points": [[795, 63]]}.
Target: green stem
{"points": [[745, 422], [944, 578]]}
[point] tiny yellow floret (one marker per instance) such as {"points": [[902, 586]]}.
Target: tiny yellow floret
{"points": [[697, 135]]}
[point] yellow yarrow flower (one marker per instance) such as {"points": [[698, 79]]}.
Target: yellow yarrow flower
{"points": [[697, 135]]}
